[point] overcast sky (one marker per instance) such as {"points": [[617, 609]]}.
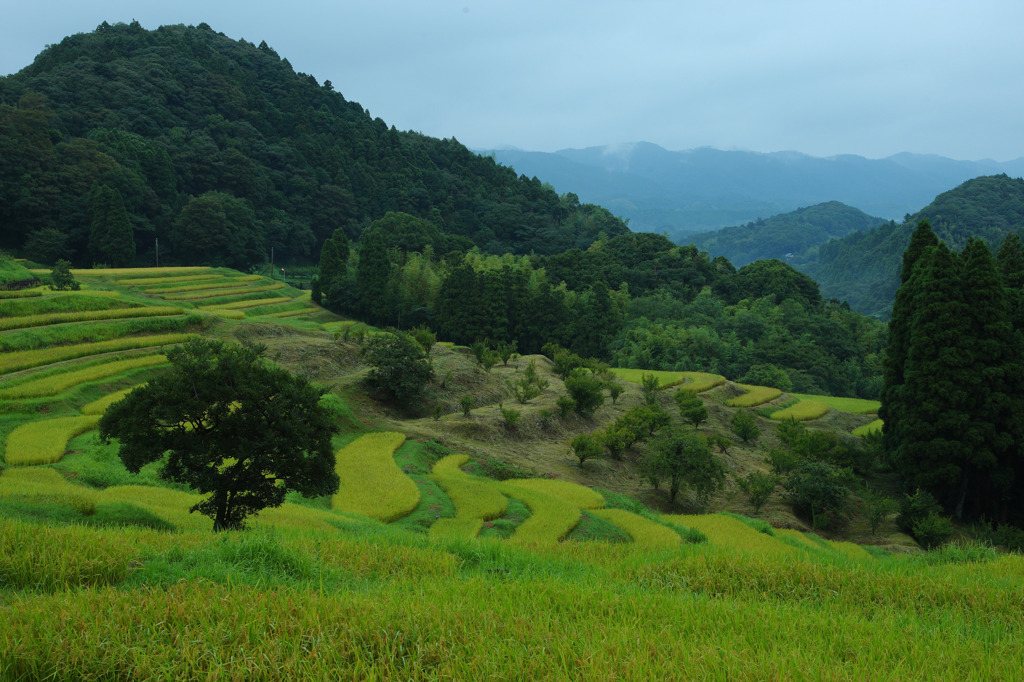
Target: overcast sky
{"points": [[822, 77]]}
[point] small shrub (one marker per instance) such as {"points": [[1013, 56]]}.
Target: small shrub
{"points": [[758, 486], [745, 426], [466, 403], [781, 461], [586, 391], [615, 389], [437, 412], [565, 406], [585, 446], [915, 507], [933, 530], [649, 387], [877, 507], [510, 417]]}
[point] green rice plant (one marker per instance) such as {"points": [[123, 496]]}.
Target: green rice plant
{"points": [[550, 519], [251, 303], [291, 313], [44, 441], [803, 410], [135, 272], [372, 484], [697, 382], [755, 395], [57, 383], [476, 500], [92, 331], [57, 559], [57, 318], [566, 491], [157, 281], [224, 291], [226, 314], [59, 303], [211, 285], [729, 532], [44, 485], [100, 406], [12, 362], [851, 405], [873, 427], [20, 294], [642, 530]]}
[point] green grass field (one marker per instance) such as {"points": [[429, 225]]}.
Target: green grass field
{"points": [[418, 570]]}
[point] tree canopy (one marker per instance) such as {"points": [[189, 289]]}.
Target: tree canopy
{"points": [[228, 424]]}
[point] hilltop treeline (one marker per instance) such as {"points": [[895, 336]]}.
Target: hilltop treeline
{"points": [[864, 267], [786, 233], [222, 151], [636, 300]]}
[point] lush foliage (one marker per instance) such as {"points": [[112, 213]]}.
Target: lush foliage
{"points": [[229, 425], [399, 367]]}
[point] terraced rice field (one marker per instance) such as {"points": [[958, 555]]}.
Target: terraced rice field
{"points": [[19, 360], [554, 508], [64, 378], [642, 531], [851, 405], [372, 484], [873, 427], [694, 381], [476, 500], [755, 395], [804, 410], [44, 441]]}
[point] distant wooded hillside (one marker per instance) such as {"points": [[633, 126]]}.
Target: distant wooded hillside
{"points": [[679, 193], [785, 234], [222, 151], [863, 268]]}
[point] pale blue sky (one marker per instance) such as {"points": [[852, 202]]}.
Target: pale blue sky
{"points": [[821, 77]]}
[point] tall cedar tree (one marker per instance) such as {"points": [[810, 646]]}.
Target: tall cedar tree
{"points": [[372, 277], [332, 274], [230, 425], [899, 335], [111, 239]]}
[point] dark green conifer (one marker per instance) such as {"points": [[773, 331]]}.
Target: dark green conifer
{"points": [[111, 239]]}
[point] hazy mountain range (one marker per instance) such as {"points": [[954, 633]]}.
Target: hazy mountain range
{"points": [[680, 193]]}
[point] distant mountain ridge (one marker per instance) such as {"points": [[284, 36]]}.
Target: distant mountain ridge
{"points": [[698, 190], [863, 267], [786, 234]]}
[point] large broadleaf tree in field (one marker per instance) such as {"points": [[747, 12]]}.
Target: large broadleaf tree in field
{"points": [[231, 425]]}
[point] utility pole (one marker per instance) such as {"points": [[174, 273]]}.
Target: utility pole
{"points": [[271, 262], [157, 251]]}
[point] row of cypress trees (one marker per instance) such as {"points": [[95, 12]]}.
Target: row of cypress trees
{"points": [[953, 395]]}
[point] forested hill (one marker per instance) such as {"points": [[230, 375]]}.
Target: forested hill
{"points": [[221, 150], [863, 268], [787, 233]]}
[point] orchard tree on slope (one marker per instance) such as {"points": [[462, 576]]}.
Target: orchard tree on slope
{"points": [[232, 426]]}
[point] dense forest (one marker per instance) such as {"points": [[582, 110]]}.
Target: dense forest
{"points": [[635, 300], [222, 152], [954, 376], [863, 268], [786, 233]]}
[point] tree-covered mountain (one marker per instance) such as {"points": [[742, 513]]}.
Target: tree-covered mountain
{"points": [[863, 268], [683, 192], [222, 151], [785, 234]]}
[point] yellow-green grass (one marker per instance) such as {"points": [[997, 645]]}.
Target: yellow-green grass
{"points": [[803, 410], [249, 303], [58, 383], [220, 292], [133, 272], [23, 293], [226, 314], [291, 313], [550, 518], [566, 491], [372, 484], [100, 406], [27, 359], [45, 484], [44, 441], [725, 531], [84, 316], [157, 281], [755, 395], [59, 303], [93, 331], [694, 381], [873, 427], [220, 283], [476, 500], [851, 405], [643, 531], [84, 291]]}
